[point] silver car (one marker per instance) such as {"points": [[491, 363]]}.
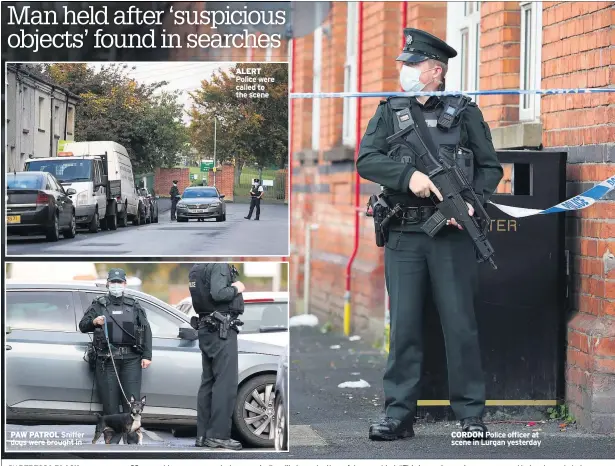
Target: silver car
{"points": [[49, 380], [281, 404], [201, 202]]}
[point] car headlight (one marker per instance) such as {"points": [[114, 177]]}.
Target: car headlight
{"points": [[181, 206], [214, 204], [82, 198]]}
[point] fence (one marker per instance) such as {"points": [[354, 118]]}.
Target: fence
{"points": [[273, 182]]}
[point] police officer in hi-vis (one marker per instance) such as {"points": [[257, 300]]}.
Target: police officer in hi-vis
{"points": [[130, 336], [412, 258]]}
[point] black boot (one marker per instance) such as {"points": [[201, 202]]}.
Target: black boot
{"points": [[474, 424], [228, 444], [200, 442], [390, 429]]}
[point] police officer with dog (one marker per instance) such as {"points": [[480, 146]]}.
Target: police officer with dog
{"points": [[217, 299], [413, 259], [121, 347]]}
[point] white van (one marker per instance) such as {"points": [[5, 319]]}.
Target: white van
{"points": [[101, 173]]}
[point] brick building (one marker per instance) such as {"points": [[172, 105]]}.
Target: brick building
{"points": [[501, 45]]}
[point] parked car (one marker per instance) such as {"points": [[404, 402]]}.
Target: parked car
{"points": [[37, 203], [281, 404], [265, 316], [151, 202], [201, 202], [50, 382]]}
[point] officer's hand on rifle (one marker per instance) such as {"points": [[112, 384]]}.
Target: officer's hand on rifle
{"points": [[454, 223], [422, 186], [240, 286], [99, 321], [145, 363]]}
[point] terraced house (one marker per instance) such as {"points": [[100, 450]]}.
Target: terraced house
{"points": [[501, 46]]}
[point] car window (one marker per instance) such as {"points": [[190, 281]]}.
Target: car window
{"points": [[25, 181], [162, 324], [55, 185], [257, 315], [40, 310]]}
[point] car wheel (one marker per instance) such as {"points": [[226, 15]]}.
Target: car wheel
{"points": [[254, 411], [182, 219], [53, 234], [156, 217], [280, 426], [136, 221], [71, 231], [220, 218], [95, 223]]}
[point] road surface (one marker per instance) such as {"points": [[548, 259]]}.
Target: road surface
{"points": [[78, 438], [235, 237]]}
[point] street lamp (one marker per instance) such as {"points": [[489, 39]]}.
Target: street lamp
{"points": [[215, 133]]}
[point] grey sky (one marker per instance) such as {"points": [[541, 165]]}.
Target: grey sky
{"points": [[183, 76]]}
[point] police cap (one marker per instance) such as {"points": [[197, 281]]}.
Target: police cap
{"points": [[116, 275], [420, 46]]}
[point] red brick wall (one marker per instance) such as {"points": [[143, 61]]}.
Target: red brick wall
{"points": [[500, 57], [225, 180], [578, 52], [163, 180]]}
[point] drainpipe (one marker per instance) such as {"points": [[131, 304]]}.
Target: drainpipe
{"points": [[291, 135], [357, 179]]}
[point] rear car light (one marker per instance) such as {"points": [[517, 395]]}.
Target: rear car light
{"points": [[263, 300], [42, 198]]}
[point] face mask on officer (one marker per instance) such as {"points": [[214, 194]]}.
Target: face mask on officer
{"points": [[116, 289], [410, 78]]}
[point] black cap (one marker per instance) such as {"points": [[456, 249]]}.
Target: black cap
{"points": [[175, 181], [116, 275], [421, 46]]}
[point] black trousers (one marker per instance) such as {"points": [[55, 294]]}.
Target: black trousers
{"points": [[218, 391], [173, 207], [129, 371], [255, 202], [448, 261]]}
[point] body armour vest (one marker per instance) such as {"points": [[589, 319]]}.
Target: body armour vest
{"points": [[254, 192], [200, 290], [448, 142], [120, 317]]}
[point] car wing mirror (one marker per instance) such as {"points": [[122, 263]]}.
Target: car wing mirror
{"points": [[221, 196], [188, 333], [71, 191]]}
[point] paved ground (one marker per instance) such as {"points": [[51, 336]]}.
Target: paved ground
{"points": [[78, 438], [235, 237], [331, 422]]}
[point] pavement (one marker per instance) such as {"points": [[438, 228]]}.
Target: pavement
{"points": [[234, 237], [78, 438], [328, 422], [331, 422]]}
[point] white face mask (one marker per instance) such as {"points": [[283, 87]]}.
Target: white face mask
{"points": [[116, 289], [409, 78]]}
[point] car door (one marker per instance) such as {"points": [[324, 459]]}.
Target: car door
{"points": [[47, 376], [172, 380]]}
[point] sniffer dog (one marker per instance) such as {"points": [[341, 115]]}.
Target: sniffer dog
{"points": [[121, 424]]}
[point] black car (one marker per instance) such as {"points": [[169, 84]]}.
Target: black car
{"points": [[37, 203], [150, 200]]}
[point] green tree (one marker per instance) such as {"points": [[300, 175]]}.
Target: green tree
{"points": [[115, 107], [250, 131]]}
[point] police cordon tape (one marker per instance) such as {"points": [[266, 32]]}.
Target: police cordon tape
{"points": [[337, 95], [578, 202], [581, 201]]}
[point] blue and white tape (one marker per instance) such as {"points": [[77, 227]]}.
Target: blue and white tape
{"points": [[337, 95], [582, 201]]}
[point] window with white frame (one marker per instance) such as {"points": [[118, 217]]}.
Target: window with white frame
{"points": [[317, 72], [463, 34], [56, 120], [350, 74], [42, 120], [531, 45]]}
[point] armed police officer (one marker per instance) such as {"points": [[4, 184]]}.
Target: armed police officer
{"points": [[123, 350], [175, 197], [412, 258], [256, 194], [217, 299]]}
